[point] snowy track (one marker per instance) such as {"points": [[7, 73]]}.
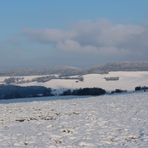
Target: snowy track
{"points": [[94, 122]]}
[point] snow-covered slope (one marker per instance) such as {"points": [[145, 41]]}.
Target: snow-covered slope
{"points": [[127, 80], [117, 121]]}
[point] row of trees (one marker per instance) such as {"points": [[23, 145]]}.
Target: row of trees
{"points": [[139, 88], [85, 92], [11, 91]]}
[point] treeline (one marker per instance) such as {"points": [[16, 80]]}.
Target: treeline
{"points": [[140, 88], [98, 91], [11, 91], [85, 92]]}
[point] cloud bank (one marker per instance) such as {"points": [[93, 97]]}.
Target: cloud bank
{"points": [[102, 37]]}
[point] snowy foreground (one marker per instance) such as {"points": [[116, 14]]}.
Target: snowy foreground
{"points": [[89, 122]]}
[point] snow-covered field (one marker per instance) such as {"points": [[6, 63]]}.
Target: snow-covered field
{"points": [[89, 122], [127, 81]]}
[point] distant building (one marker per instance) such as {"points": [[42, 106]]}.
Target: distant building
{"points": [[111, 78]]}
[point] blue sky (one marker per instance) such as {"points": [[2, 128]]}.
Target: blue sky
{"points": [[26, 32]]}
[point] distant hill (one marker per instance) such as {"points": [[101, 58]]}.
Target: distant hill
{"points": [[122, 66], [61, 70], [69, 70]]}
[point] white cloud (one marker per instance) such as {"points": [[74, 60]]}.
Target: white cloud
{"points": [[101, 37]]}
